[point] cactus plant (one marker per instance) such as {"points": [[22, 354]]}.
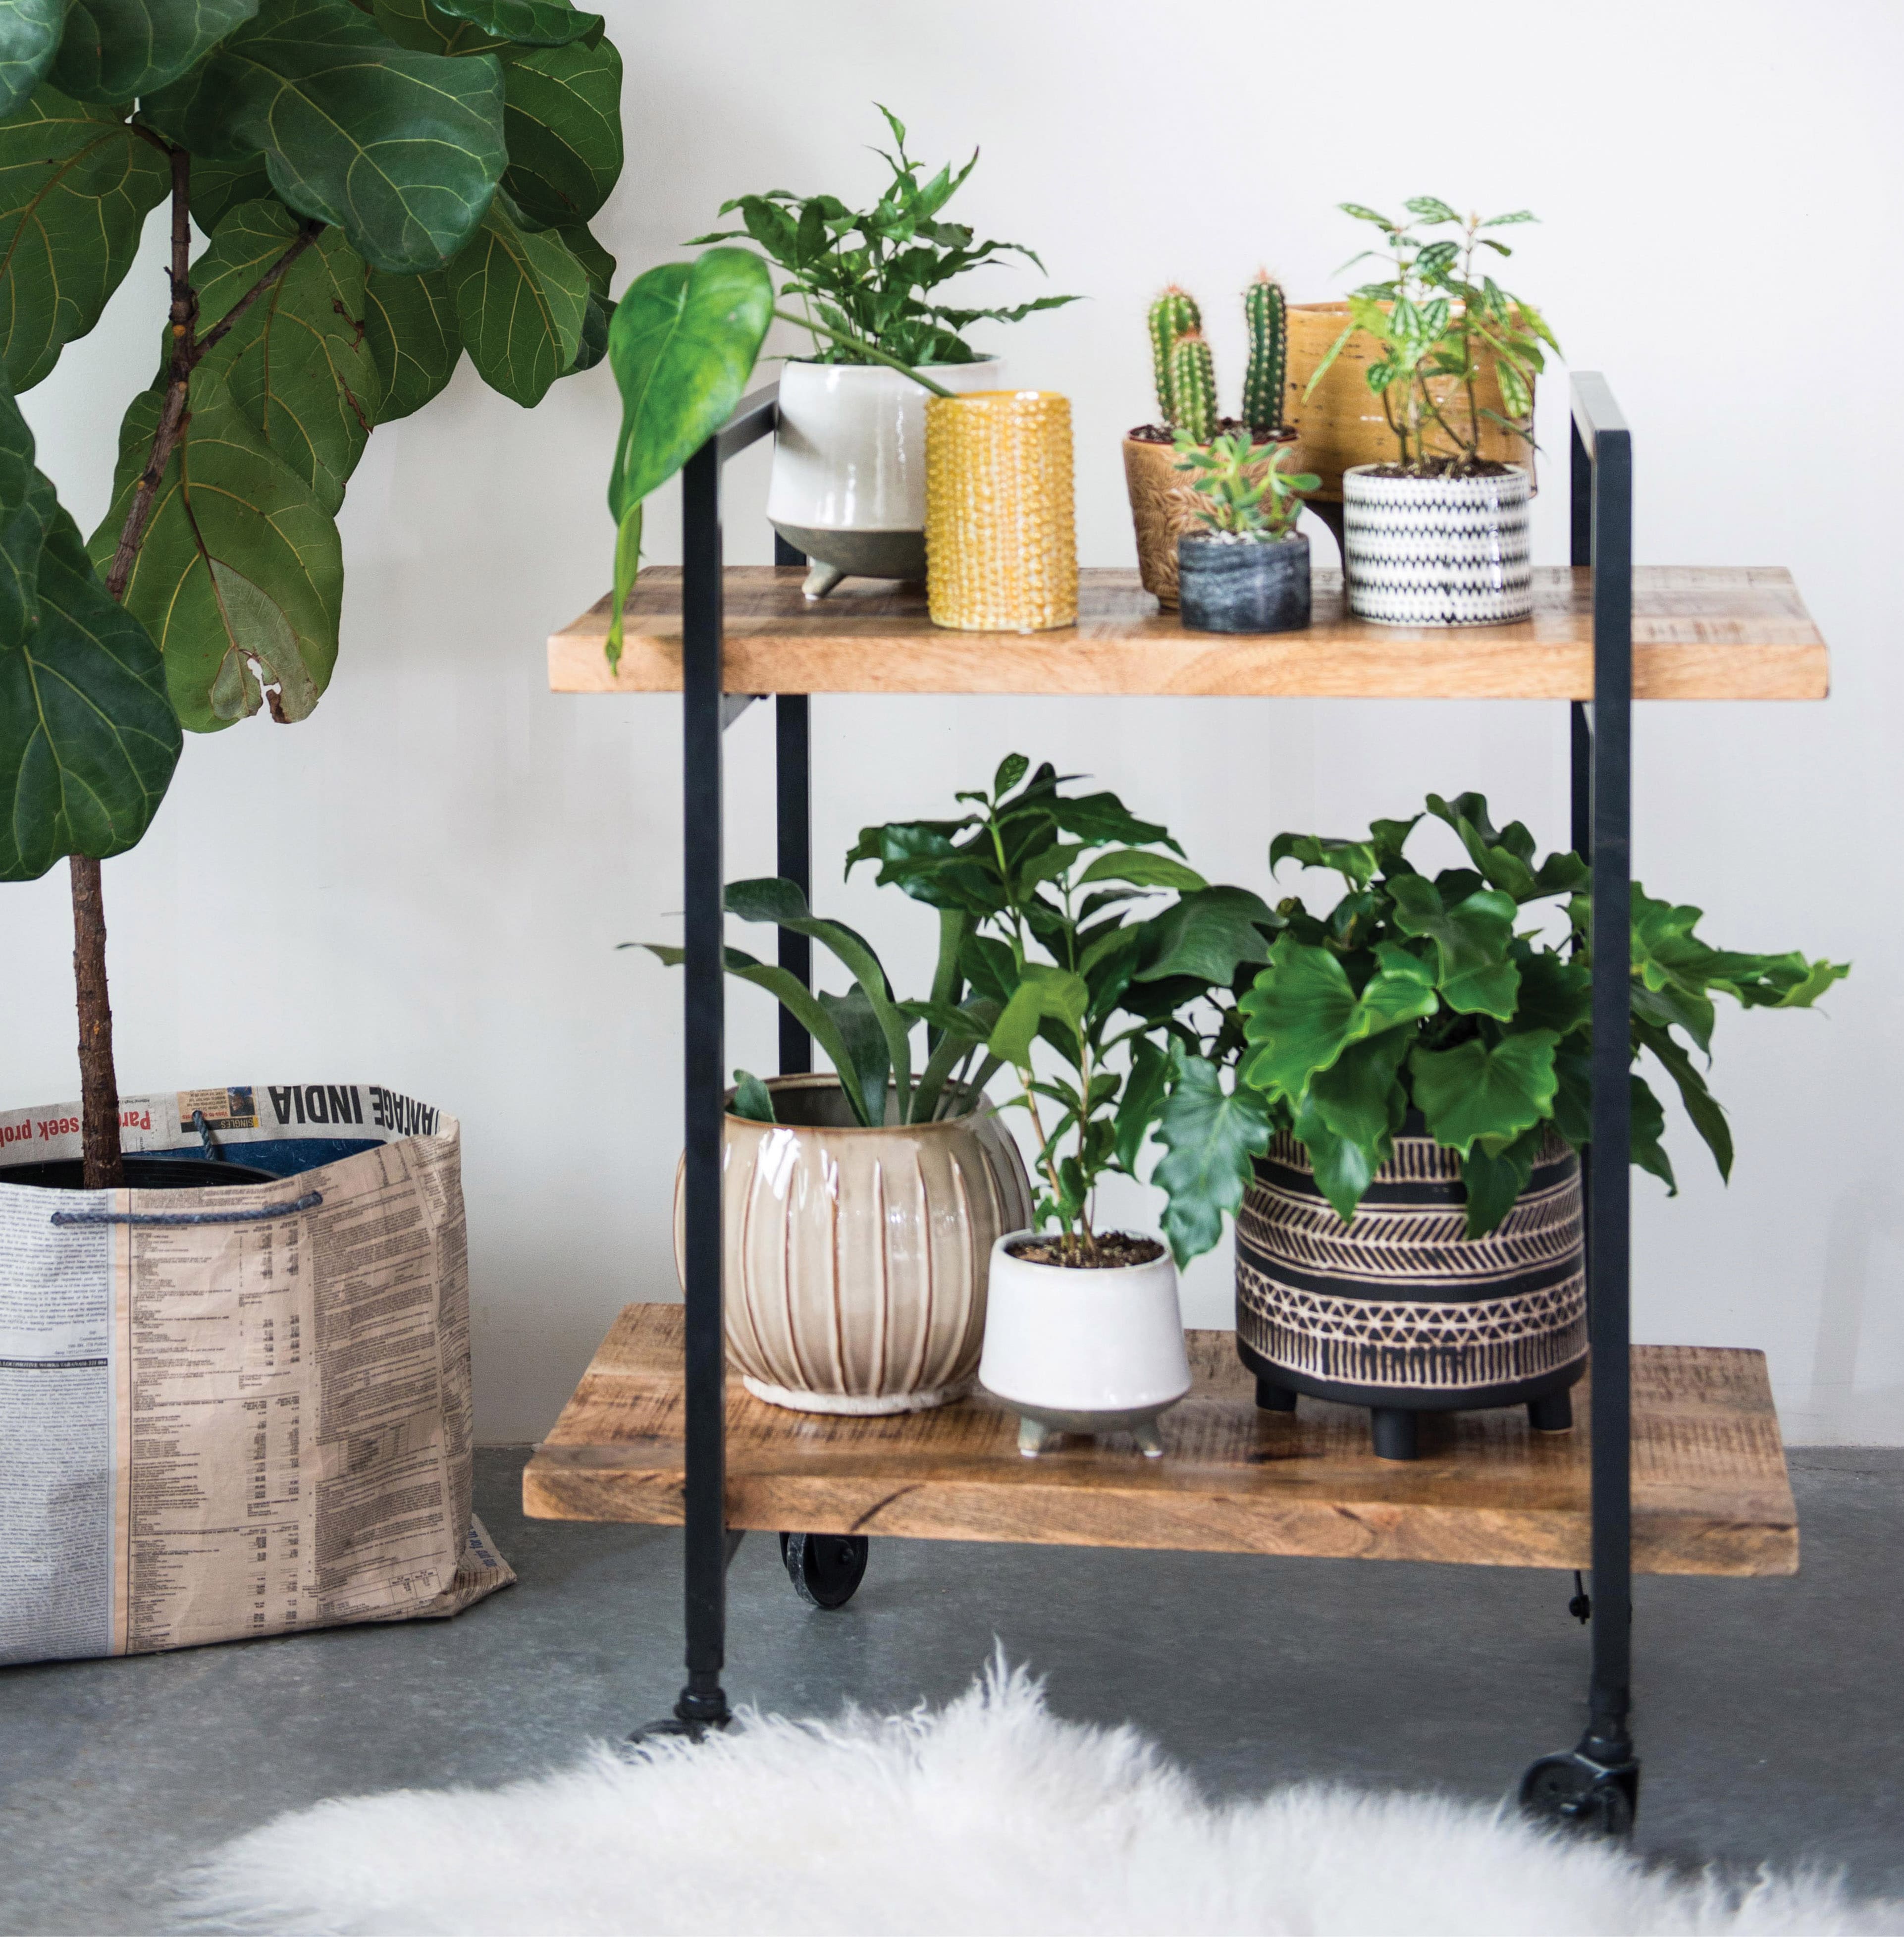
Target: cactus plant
{"points": [[1175, 320], [1174, 313], [1264, 312], [1193, 387]]}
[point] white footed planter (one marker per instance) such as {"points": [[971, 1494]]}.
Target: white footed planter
{"points": [[1437, 551], [848, 482], [1074, 1350]]}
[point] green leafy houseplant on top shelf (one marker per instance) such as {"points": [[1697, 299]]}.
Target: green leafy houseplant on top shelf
{"points": [[865, 280], [1436, 996], [384, 186]]}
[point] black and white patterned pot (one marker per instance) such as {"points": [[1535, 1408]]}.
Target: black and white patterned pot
{"points": [[1402, 1312], [1437, 551]]}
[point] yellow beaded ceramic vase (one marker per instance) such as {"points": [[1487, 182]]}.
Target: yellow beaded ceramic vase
{"points": [[1001, 553]]}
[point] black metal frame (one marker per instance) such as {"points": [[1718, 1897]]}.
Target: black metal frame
{"points": [[1597, 1782]]}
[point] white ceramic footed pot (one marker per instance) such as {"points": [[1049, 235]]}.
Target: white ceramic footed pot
{"points": [[855, 1260], [1437, 551], [1076, 1350], [848, 482]]}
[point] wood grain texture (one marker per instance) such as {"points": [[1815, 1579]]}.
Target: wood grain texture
{"points": [[1710, 1493], [1698, 634]]}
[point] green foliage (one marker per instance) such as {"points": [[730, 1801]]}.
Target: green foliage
{"points": [[1266, 315], [752, 1098], [1193, 388], [29, 36], [866, 1032], [1436, 997], [682, 345], [1241, 487], [1435, 315], [384, 186], [877, 292], [1174, 313], [1047, 895], [76, 185], [88, 739]]}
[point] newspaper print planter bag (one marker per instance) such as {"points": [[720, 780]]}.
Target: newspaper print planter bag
{"points": [[242, 1410]]}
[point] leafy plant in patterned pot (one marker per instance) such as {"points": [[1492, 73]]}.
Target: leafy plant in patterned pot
{"points": [[384, 186], [1408, 1088], [1439, 536]]}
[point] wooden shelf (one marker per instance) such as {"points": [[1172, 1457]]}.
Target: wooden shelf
{"points": [[1710, 1495], [1698, 634]]}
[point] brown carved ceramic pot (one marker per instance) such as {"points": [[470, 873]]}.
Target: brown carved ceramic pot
{"points": [[855, 1260]]}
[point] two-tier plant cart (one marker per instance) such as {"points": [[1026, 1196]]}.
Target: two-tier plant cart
{"points": [[1678, 1466]]}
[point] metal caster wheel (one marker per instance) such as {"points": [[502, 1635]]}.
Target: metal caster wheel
{"points": [[1574, 1792], [825, 1568]]}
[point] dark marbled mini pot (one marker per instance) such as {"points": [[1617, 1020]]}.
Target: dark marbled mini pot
{"points": [[1247, 585]]}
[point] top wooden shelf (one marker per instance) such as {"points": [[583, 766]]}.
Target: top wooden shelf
{"points": [[1698, 633]]}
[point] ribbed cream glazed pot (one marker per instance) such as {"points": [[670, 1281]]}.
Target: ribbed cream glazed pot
{"points": [[856, 1259]]}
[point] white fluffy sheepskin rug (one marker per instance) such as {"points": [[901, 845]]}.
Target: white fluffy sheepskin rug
{"points": [[988, 1817]]}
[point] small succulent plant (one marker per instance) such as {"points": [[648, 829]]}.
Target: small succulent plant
{"points": [[1242, 490], [1186, 374]]}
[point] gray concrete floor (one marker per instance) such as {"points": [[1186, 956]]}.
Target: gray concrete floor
{"points": [[1769, 1712]]}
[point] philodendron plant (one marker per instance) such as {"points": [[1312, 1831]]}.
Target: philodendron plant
{"points": [[385, 184], [1047, 903], [1440, 997]]}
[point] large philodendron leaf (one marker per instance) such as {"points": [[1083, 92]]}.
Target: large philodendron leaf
{"points": [[298, 362], [76, 185], [88, 737], [241, 574], [1210, 1138], [522, 299], [1302, 1012], [410, 322], [1475, 976], [682, 345], [29, 37], [562, 115], [1473, 1091], [402, 151], [117, 50]]}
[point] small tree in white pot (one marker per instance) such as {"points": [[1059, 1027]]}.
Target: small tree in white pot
{"points": [[1439, 538], [848, 482]]}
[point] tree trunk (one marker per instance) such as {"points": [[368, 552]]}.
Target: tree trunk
{"points": [[105, 1167]]}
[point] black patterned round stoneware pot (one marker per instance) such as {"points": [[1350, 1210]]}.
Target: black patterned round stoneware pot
{"points": [[1401, 1311]]}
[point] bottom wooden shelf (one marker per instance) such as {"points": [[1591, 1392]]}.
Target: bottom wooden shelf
{"points": [[1710, 1494]]}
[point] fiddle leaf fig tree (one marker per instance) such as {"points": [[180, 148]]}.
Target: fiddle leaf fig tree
{"points": [[380, 186]]}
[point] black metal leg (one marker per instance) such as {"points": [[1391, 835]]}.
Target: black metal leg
{"points": [[794, 847], [703, 1702], [1597, 1786]]}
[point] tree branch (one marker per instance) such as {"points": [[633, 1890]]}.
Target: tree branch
{"points": [[216, 334]]}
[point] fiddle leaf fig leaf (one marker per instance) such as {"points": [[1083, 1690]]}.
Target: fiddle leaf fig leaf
{"points": [[76, 185], [409, 323], [117, 50], [1209, 1137], [241, 574], [401, 150], [88, 739], [298, 362], [218, 187], [477, 26], [29, 37], [521, 300], [1472, 1091], [562, 118]]}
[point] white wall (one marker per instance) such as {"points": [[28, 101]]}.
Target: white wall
{"points": [[423, 885]]}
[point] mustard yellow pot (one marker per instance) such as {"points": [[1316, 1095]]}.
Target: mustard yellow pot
{"points": [[1001, 553]]}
